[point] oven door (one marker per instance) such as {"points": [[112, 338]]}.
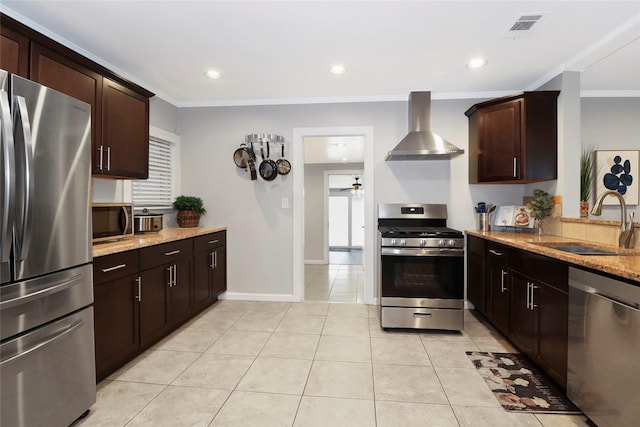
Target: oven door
{"points": [[422, 277]]}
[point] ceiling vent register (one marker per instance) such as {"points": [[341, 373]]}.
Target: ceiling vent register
{"points": [[524, 25]]}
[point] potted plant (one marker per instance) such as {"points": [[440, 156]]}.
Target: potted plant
{"points": [[540, 207], [189, 209], [586, 181]]}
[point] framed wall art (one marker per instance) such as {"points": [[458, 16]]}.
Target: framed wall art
{"points": [[617, 170]]}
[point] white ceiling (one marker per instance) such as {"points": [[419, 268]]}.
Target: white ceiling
{"points": [[280, 52]]}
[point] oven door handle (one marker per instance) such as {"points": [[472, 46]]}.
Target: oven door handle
{"points": [[450, 252]]}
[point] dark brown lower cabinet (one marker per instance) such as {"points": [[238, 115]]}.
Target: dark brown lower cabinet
{"points": [[539, 310], [498, 284], [209, 268], [116, 311], [476, 293]]}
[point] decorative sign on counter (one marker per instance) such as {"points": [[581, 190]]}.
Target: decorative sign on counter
{"points": [[513, 216]]}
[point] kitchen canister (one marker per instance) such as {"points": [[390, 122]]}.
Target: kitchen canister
{"points": [[484, 221]]}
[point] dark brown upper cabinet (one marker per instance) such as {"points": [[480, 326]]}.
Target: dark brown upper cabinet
{"points": [[119, 108], [514, 139]]}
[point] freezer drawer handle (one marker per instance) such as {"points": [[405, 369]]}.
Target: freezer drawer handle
{"points": [[115, 267], [56, 287], [75, 325], [421, 314]]}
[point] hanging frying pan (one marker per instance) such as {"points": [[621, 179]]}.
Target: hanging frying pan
{"points": [[241, 155], [268, 168], [284, 167]]}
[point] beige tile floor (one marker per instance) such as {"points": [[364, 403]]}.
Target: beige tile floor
{"points": [[334, 283], [244, 363]]}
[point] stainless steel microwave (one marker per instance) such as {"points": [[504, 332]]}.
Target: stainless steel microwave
{"points": [[112, 221]]}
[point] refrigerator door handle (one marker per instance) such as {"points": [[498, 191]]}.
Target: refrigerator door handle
{"points": [[51, 288], [8, 182], [21, 114]]}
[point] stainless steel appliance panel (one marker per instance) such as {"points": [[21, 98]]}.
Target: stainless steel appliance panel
{"points": [[422, 302], [52, 136], [604, 348], [422, 318], [25, 305], [7, 179], [48, 375]]}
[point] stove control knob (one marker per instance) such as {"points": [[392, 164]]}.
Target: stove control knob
{"points": [[393, 242], [441, 243], [452, 242], [423, 242], [403, 242]]}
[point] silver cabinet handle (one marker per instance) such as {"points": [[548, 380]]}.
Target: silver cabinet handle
{"points": [[175, 275], [496, 253], [515, 167], [502, 287], [528, 296], [533, 287], [115, 267], [109, 159], [170, 278], [139, 282], [212, 262], [172, 252], [211, 242], [215, 259], [100, 162]]}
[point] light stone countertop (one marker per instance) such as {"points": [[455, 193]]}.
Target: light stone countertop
{"points": [[627, 265], [166, 235]]}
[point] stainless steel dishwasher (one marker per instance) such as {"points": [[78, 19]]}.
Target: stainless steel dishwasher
{"points": [[604, 347]]}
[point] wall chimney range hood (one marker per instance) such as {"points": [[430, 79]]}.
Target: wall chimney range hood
{"points": [[421, 143]]}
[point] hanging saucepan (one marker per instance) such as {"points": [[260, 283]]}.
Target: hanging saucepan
{"points": [[284, 167], [268, 168], [241, 155], [251, 168]]}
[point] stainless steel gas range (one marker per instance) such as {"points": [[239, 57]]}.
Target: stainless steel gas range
{"points": [[421, 277]]}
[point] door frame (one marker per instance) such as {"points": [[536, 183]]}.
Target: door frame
{"points": [[369, 250]]}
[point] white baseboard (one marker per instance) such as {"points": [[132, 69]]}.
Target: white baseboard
{"points": [[258, 297]]}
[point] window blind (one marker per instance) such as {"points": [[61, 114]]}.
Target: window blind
{"points": [[157, 190]]}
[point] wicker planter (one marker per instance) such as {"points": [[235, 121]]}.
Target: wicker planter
{"points": [[188, 219]]}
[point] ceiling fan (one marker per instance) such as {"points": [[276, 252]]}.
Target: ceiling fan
{"points": [[356, 187]]}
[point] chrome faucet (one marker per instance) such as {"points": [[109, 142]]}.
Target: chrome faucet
{"points": [[626, 228]]}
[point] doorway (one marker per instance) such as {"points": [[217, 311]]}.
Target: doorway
{"points": [[299, 234], [345, 217]]}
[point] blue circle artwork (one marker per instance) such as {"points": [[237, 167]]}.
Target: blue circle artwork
{"points": [[619, 178]]}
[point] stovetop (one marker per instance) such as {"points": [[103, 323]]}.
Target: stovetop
{"points": [[406, 232]]}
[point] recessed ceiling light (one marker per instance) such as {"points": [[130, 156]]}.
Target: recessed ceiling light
{"points": [[213, 74], [477, 63], [338, 69]]}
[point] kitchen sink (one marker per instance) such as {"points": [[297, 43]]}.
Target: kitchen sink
{"points": [[578, 249]]}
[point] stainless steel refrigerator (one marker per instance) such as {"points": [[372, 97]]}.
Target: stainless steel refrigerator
{"points": [[47, 362]]}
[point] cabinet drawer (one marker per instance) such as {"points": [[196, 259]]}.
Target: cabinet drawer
{"points": [[497, 254], [542, 268], [166, 253], [208, 241], [115, 266], [476, 245]]}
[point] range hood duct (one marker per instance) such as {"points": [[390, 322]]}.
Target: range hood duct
{"points": [[421, 143]]}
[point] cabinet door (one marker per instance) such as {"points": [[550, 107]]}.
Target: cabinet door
{"points": [[553, 305], [219, 281], [179, 296], [153, 304], [499, 128], [524, 314], [117, 331], [14, 52], [125, 132], [202, 277], [476, 273], [55, 71], [497, 264]]}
